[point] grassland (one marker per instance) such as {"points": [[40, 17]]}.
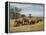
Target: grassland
{"points": [[26, 28]]}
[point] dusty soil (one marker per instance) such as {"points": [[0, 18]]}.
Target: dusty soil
{"points": [[27, 28]]}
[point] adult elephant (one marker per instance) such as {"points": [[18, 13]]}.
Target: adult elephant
{"points": [[18, 22]]}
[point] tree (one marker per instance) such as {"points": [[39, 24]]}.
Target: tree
{"points": [[17, 14], [14, 13], [29, 16], [17, 10]]}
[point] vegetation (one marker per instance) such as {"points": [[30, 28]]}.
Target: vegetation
{"points": [[14, 14], [29, 16]]}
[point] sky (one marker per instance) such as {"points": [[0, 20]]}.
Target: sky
{"points": [[33, 9]]}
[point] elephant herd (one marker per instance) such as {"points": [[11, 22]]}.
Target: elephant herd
{"points": [[26, 21]]}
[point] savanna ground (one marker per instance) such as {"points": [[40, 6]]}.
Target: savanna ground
{"points": [[26, 28]]}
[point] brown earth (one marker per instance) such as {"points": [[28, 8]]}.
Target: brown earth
{"points": [[26, 28]]}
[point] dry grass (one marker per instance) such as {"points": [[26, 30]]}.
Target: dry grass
{"points": [[26, 28]]}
